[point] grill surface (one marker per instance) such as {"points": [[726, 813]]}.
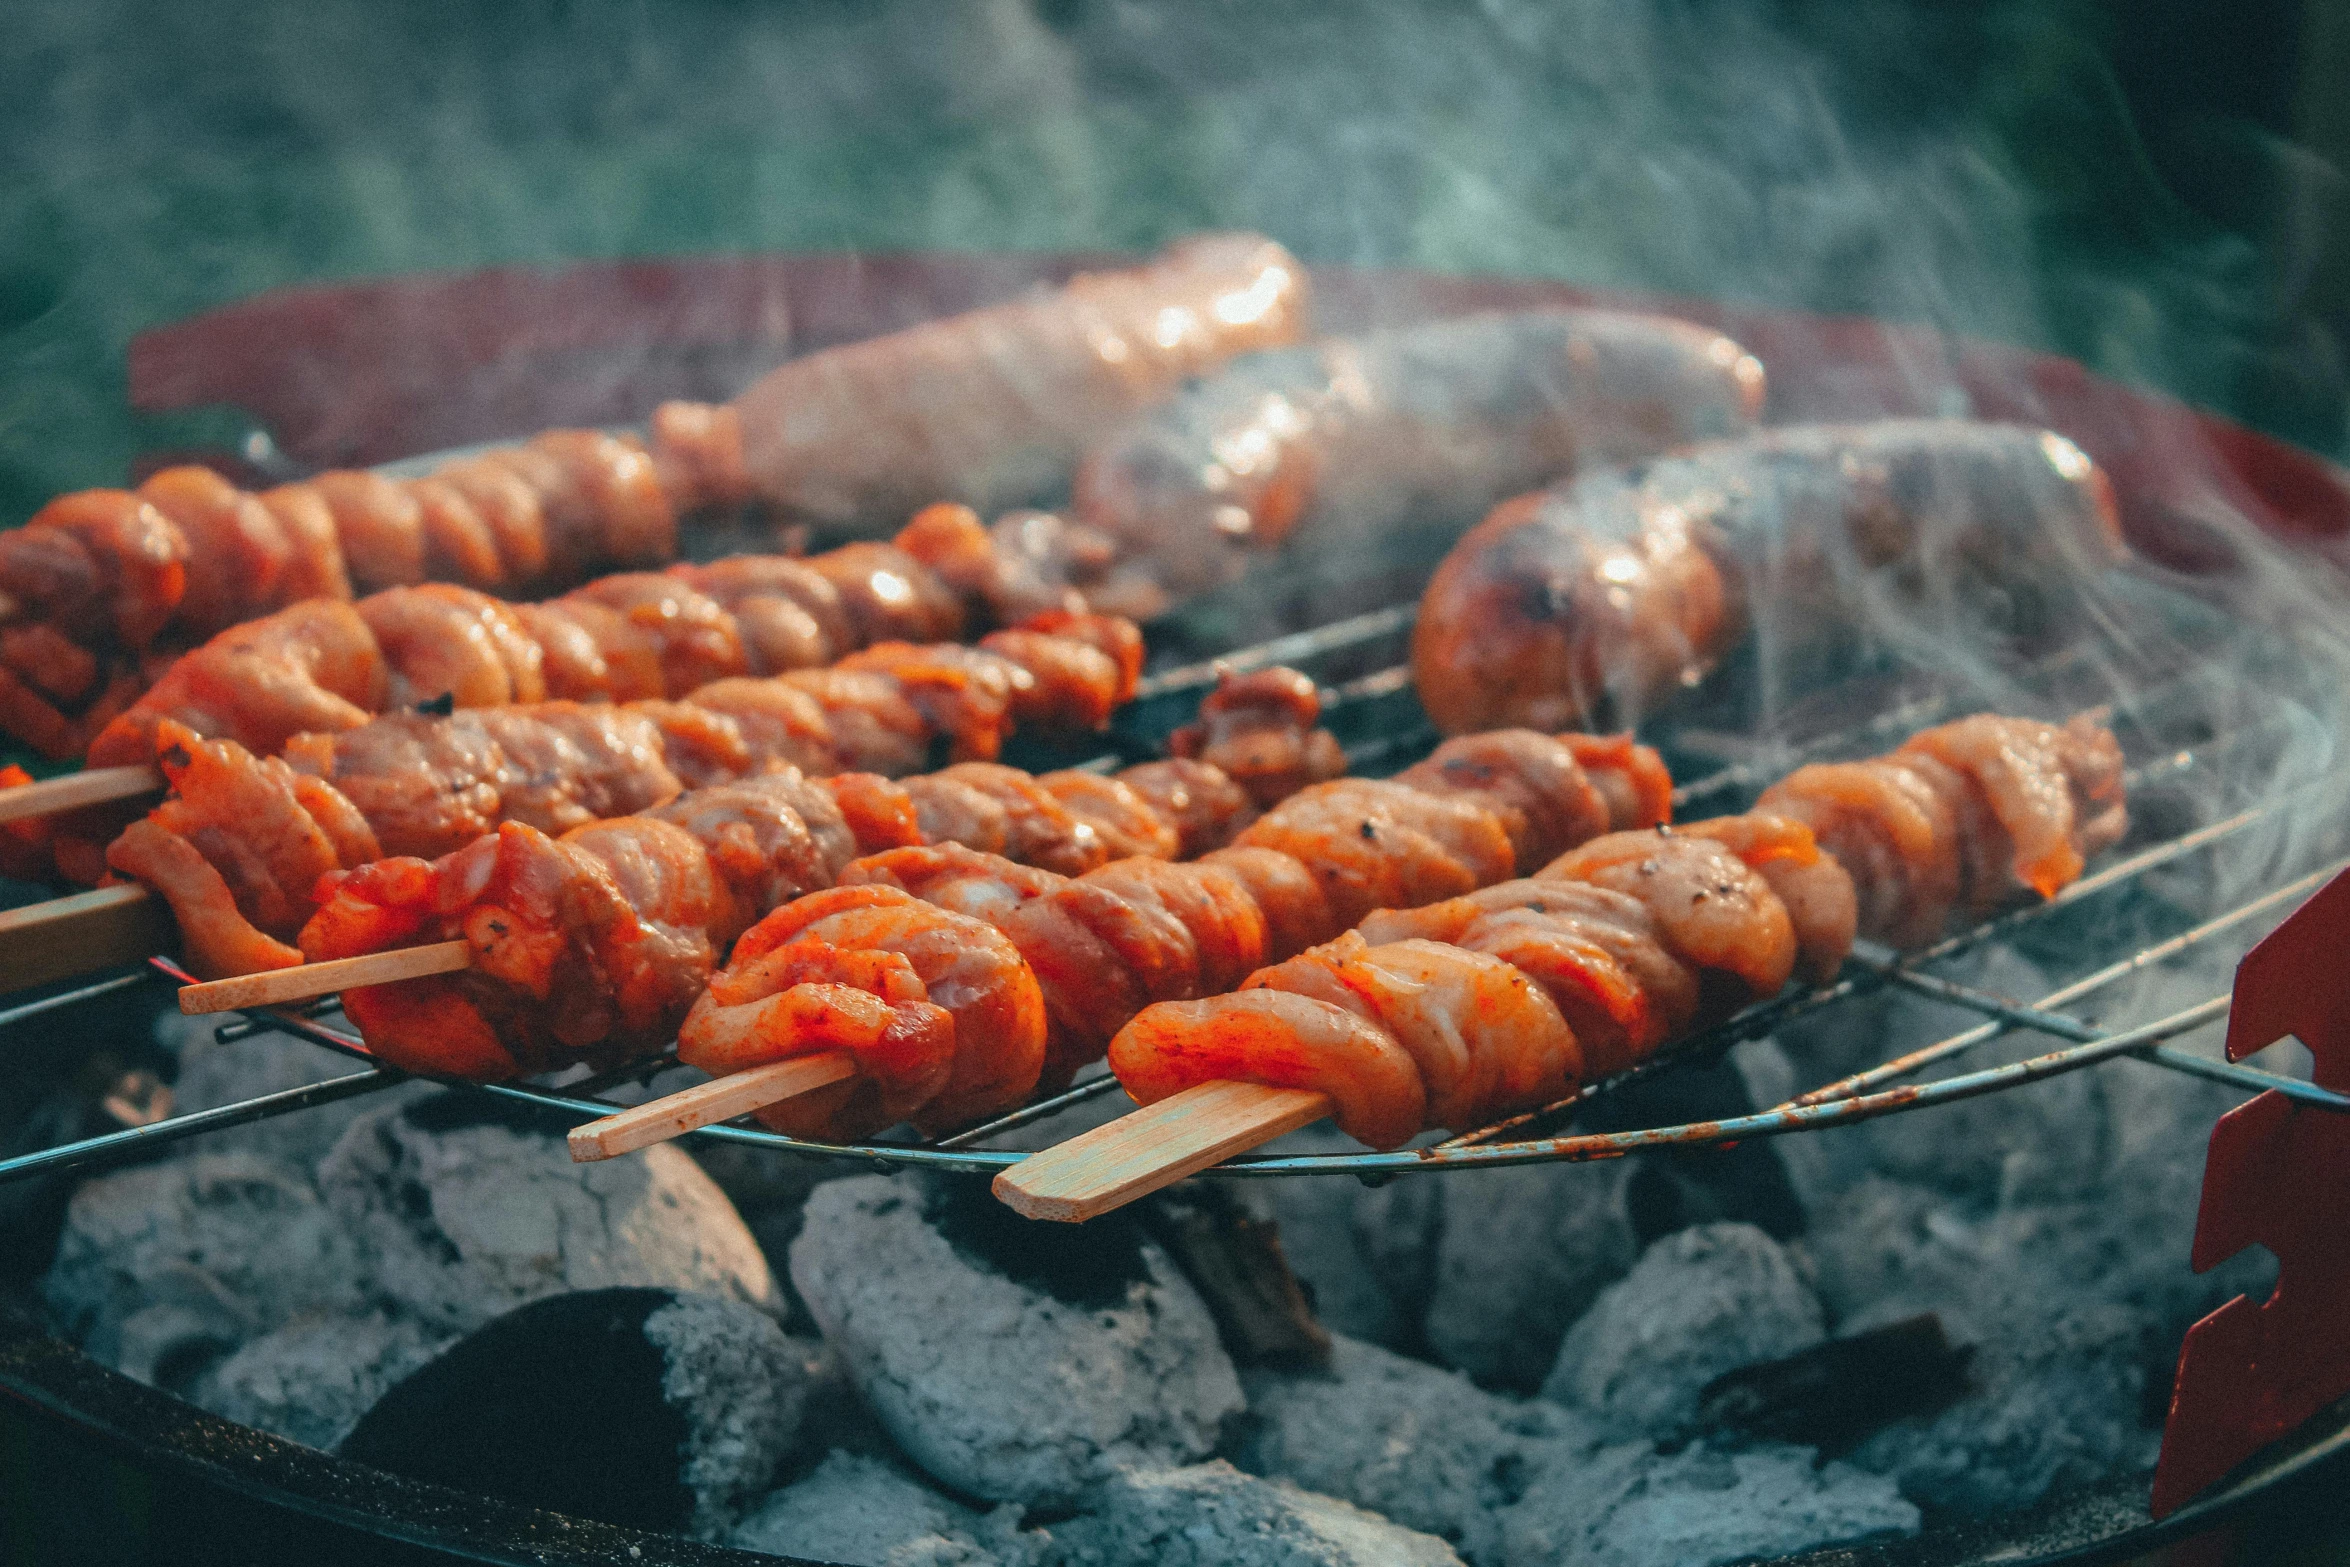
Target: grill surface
{"points": [[2202, 791], [2179, 760]]}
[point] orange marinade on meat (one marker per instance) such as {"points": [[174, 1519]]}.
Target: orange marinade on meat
{"points": [[1638, 937]]}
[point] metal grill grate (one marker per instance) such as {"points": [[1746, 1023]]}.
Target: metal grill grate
{"points": [[2173, 749]]}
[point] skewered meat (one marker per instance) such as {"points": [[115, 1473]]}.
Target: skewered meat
{"points": [[634, 636], [1352, 436], [248, 849], [1608, 594], [952, 407], [1961, 818], [1506, 998], [1248, 729], [993, 407], [1102, 946]]}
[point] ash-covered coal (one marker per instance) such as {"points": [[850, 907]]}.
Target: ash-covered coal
{"points": [[643, 1407], [990, 1377], [293, 1295]]}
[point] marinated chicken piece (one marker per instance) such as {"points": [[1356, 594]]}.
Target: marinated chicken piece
{"points": [[964, 695], [441, 642], [594, 653], [107, 553], [956, 876], [1961, 819], [1816, 890], [237, 551], [458, 544], [314, 667], [790, 614], [430, 785], [1713, 910], [1547, 804], [1348, 438], [881, 812], [949, 811], [1260, 729], [889, 595], [237, 850], [1207, 806], [380, 525], [1125, 822], [1282, 1040], [1380, 843], [770, 839], [698, 640], [943, 1019], [588, 947], [1630, 778], [871, 725], [1597, 954]]}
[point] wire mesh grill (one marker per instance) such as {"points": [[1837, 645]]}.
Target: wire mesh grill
{"points": [[2167, 736]]}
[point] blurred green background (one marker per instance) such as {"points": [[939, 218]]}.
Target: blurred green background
{"points": [[2149, 187]]}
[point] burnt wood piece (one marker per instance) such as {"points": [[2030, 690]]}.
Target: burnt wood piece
{"points": [[1235, 1261], [1835, 1394]]}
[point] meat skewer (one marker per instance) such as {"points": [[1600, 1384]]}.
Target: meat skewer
{"points": [[1348, 437], [1456, 1013], [240, 846], [975, 406], [591, 943], [819, 976], [321, 665], [1609, 594]]}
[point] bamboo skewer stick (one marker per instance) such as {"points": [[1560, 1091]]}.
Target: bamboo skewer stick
{"points": [[80, 932], [275, 987], [707, 1104], [75, 790], [1156, 1146]]}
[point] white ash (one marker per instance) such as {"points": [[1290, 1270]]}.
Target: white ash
{"points": [[1421, 1445], [1629, 1506], [1212, 1515], [2057, 1383], [1484, 1269], [1698, 1303], [310, 1380], [1031, 1389], [864, 1512], [212, 1074], [2048, 1227], [457, 1223], [742, 1385], [1365, 1253], [165, 1266], [1521, 1254], [1515, 1483]]}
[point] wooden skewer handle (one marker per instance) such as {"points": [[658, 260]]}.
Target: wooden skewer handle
{"points": [[706, 1104], [76, 790], [81, 932], [310, 980], [1156, 1146]]}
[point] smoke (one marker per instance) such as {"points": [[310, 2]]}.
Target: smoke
{"points": [[1977, 171], [1974, 170]]}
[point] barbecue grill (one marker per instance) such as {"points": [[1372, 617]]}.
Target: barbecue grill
{"points": [[2182, 478]]}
